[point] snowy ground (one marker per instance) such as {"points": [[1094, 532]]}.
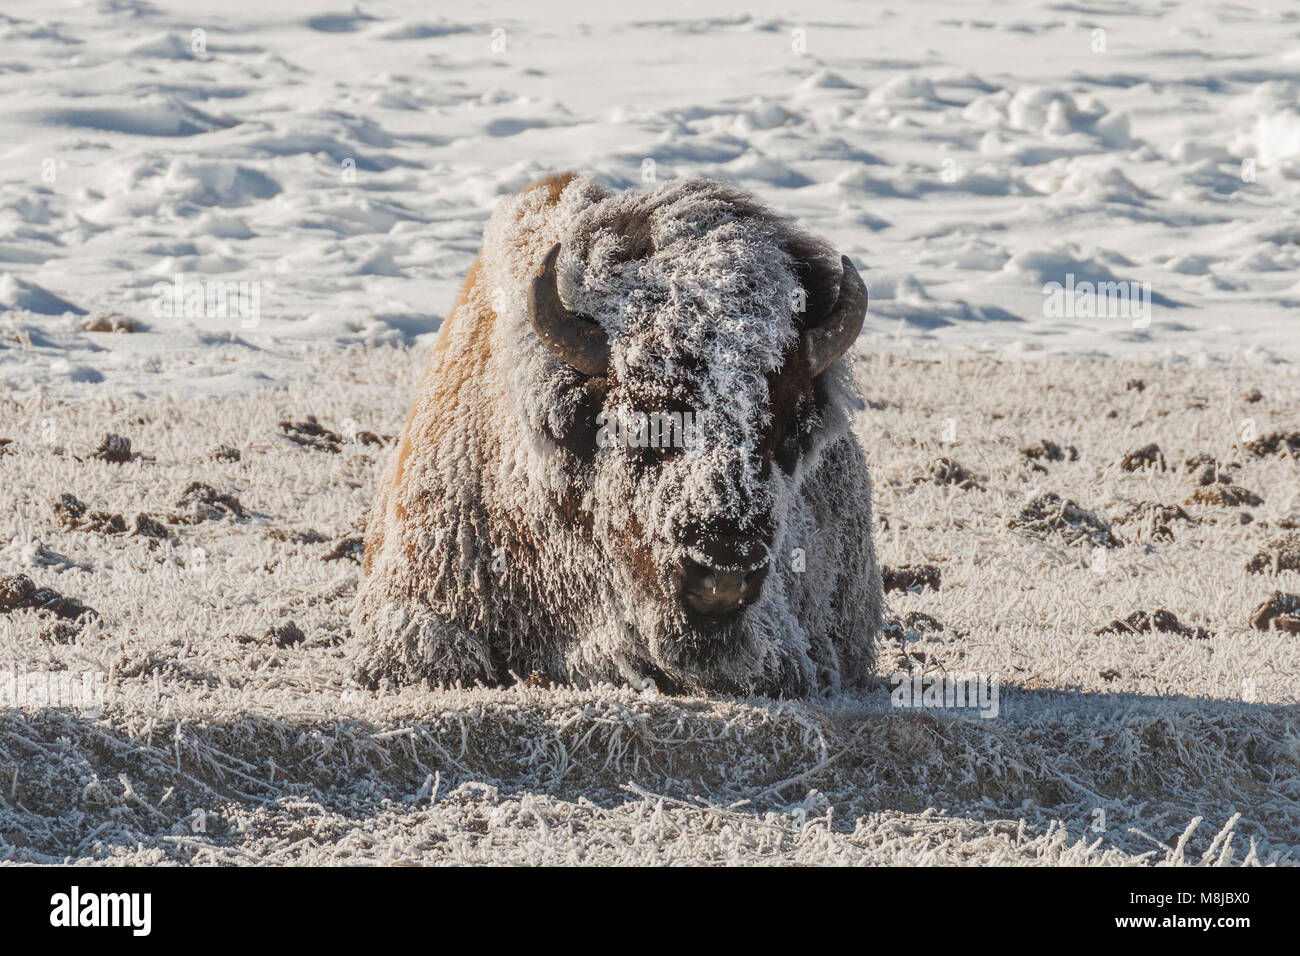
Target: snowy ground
{"points": [[223, 735], [343, 160], [346, 159]]}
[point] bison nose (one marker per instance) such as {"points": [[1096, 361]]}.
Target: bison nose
{"points": [[728, 579]]}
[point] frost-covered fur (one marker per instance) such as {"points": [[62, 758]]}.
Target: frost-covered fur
{"points": [[494, 548]]}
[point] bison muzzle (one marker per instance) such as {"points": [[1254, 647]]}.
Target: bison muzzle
{"points": [[630, 458]]}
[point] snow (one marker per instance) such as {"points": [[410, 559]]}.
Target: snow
{"points": [[347, 160], [285, 760]]}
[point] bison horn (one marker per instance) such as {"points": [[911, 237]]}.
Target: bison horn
{"points": [[831, 338], [575, 339]]}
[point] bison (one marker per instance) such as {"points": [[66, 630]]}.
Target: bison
{"points": [[630, 458]]}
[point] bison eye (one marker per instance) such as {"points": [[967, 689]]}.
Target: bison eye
{"points": [[798, 440], [652, 457], [787, 453], [643, 462], [574, 427]]}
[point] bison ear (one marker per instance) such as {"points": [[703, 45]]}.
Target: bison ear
{"points": [[575, 339]]}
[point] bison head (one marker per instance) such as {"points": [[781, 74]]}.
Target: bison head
{"points": [[693, 330]]}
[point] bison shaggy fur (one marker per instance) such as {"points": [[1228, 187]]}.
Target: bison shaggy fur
{"points": [[507, 538]]}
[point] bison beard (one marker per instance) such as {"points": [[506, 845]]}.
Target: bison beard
{"points": [[507, 539]]}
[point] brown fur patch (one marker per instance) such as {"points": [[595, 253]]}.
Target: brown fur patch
{"points": [[554, 184], [460, 353]]}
